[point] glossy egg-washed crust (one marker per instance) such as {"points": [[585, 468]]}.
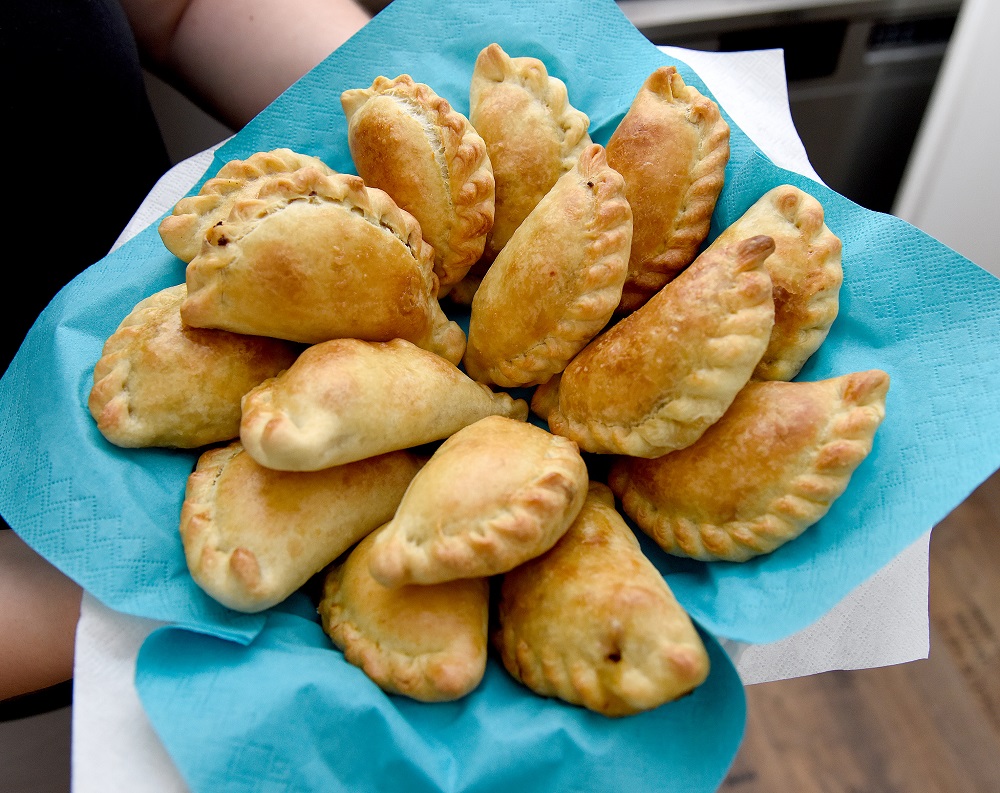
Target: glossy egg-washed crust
{"points": [[318, 256], [594, 623], [532, 133], [806, 275], [493, 495], [408, 141], [183, 231], [427, 642], [672, 147], [160, 383], [557, 282], [657, 379], [345, 399], [767, 470], [252, 536]]}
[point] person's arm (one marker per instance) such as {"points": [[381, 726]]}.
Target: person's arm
{"points": [[37, 622], [234, 57]]}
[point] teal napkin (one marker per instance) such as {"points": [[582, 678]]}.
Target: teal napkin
{"points": [[108, 517], [287, 713]]}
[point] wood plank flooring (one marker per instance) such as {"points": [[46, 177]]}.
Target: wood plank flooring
{"points": [[930, 726]]}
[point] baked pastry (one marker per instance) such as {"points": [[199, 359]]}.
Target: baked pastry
{"points": [[592, 622], [318, 256], [160, 383], [252, 535], [493, 495], [532, 133], [408, 141], [805, 271], [344, 400], [656, 380], [183, 230], [672, 147], [766, 471], [557, 282], [425, 642]]}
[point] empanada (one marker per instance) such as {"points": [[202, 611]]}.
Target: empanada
{"points": [[252, 536], [805, 271], [161, 383], [183, 231], [593, 623], [656, 380], [672, 147], [425, 642], [318, 256], [557, 282], [532, 133], [767, 470], [493, 495], [344, 400], [408, 141]]}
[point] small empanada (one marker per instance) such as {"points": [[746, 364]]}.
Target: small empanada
{"points": [[766, 471], [344, 400], [593, 623], [806, 275], [318, 256], [161, 383], [532, 133], [425, 642], [408, 141], [183, 231], [252, 535], [557, 282], [655, 381], [493, 495], [672, 147]]}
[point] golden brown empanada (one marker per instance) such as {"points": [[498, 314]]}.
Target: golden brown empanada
{"points": [[183, 231], [805, 272], [532, 133], [344, 400], [493, 495], [672, 147], [557, 282], [408, 141], [656, 380], [593, 623], [252, 535], [767, 470], [160, 383], [427, 642], [318, 256]]}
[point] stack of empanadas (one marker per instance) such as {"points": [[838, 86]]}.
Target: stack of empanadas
{"points": [[347, 428]]}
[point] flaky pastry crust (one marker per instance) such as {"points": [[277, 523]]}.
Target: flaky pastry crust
{"points": [[493, 495], [656, 380], [557, 282], [427, 642], [592, 622], [806, 275], [252, 536], [317, 256], [408, 141], [161, 383], [672, 147], [344, 400], [183, 231], [766, 471], [532, 133]]}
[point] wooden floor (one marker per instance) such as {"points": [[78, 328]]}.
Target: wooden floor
{"points": [[928, 726]]}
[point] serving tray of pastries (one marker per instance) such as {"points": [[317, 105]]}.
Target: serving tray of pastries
{"points": [[460, 490]]}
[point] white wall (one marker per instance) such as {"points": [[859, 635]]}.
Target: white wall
{"points": [[951, 188]]}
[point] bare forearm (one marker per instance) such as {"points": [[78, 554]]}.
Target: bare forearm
{"points": [[236, 56]]}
